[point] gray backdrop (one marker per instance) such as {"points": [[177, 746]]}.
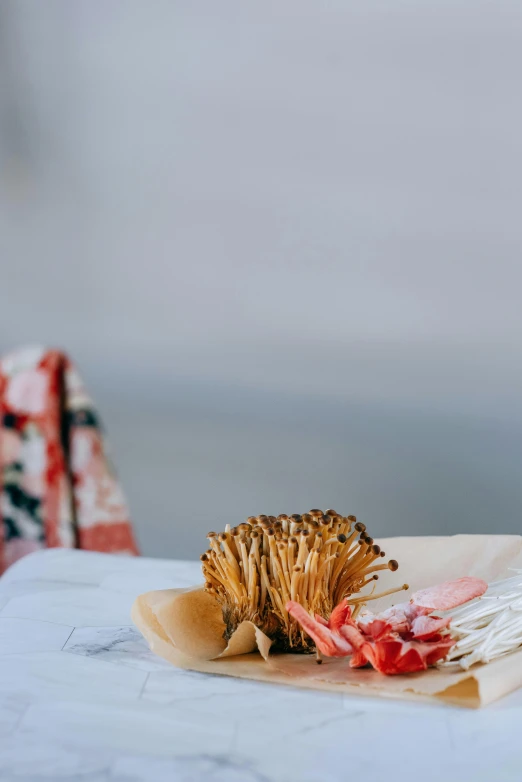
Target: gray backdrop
{"points": [[283, 242]]}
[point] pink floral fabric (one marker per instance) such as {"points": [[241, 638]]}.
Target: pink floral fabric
{"points": [[57, 485]]}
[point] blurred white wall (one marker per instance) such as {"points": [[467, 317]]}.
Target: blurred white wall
{"points": [[283, 241]]}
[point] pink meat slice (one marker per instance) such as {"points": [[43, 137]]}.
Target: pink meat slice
{"points": [[354, 636], [397, 656], [377, 629], [321, 620], [341, 615], [329, 643], [399, 617], [358, 659], [450, 594], [425, 627]]}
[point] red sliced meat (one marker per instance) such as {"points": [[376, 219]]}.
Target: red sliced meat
{"points": [[438, 650], [399, 617], [378, 628], [341, 615], [425, 627], [450, 594], [353, 635], [396, 656], [358, 660], [401, 639], [329, 643]]}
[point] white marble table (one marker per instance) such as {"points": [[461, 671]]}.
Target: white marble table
{"points": [[83, 699]]}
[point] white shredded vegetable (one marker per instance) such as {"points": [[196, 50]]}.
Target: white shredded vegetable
{"points": [[488, 627]]}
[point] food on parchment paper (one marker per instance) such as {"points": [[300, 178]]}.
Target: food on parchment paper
{"points": [[315, 560], [490, 627], [403, 639]]}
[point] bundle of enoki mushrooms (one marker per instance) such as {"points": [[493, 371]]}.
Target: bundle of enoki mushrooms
{"points": [[316, 559]]}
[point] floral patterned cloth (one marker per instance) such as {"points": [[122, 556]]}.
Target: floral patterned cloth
{"points": [[57, 486]]}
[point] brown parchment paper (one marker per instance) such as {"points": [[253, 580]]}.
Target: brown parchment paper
{"points": [[186, 628]]}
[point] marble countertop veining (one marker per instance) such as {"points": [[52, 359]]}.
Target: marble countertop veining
{"points": [[82, 699]]}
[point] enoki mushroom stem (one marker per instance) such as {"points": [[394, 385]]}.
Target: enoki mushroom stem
{"points": [[315, 559]]}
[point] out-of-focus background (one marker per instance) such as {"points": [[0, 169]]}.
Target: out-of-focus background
{"points": [[282, 240]]}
